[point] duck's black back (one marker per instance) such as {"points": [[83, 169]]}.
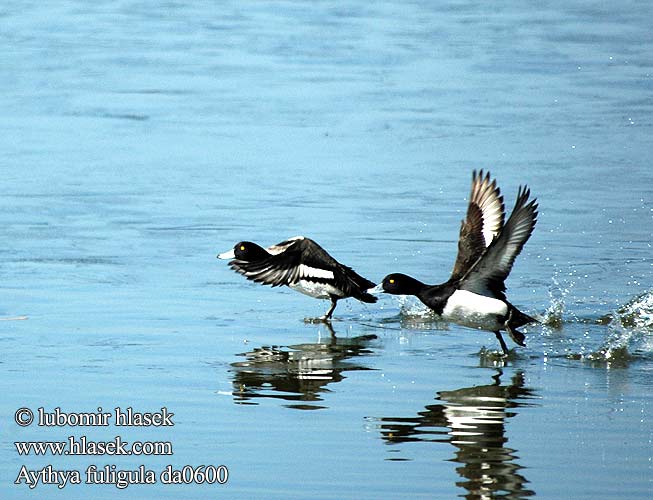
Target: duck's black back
{"points": [[346, 279]]}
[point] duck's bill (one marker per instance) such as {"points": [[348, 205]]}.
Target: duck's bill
{"points": [[227, 255], [375, 290]]}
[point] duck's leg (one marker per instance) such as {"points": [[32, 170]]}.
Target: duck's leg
{"points": [[502, 342], [331, 330], [327, 316]]}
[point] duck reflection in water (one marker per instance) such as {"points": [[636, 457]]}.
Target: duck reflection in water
{"points": [[473, 420], [297, 373]]}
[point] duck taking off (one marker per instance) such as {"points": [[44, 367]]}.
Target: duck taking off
{"points": [[474, 296], [302, 265]]}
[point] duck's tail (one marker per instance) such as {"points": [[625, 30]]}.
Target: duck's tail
{"points": [[360, 286]]}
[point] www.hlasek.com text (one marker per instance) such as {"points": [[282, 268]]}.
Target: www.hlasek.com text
{"points": [[109, 474]]}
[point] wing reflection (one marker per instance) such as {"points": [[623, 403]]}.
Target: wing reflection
{"points": [[297, 373], [473, 420]]}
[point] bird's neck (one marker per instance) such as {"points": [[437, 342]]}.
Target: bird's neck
{"points": [[436, 296]]}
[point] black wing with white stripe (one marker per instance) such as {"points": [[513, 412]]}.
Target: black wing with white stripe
{"points": [[303, 259], [484, 220], [487, 276], [276, 270], [316, 262]]}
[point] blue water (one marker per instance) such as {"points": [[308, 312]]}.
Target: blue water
{"points": [[139, 139]]}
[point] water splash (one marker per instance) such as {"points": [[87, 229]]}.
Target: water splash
{"points": [[553, 316], [637, 313], [411, 307], [415, 315], [630, 333], [611, 356]]}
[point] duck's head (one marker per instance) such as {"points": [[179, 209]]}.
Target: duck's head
{"points": [[399, 284], [246, 251]]}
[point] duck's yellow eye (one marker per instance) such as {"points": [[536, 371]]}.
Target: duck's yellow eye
{"points": [[242, 248], [391, 281]]}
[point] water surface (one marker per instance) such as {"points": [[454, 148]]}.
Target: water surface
{"points": [[140, 139]]}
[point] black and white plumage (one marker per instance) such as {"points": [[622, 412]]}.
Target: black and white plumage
{"points": [[303, 265], [474, 295]]}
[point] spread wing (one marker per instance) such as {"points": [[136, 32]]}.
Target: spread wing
{"points": [[487, 275], [484, 220], [282, 267], [302, 259]]}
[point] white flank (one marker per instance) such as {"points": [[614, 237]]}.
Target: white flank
{"points": [[475, 311], [313, 272], [317, 290]]}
